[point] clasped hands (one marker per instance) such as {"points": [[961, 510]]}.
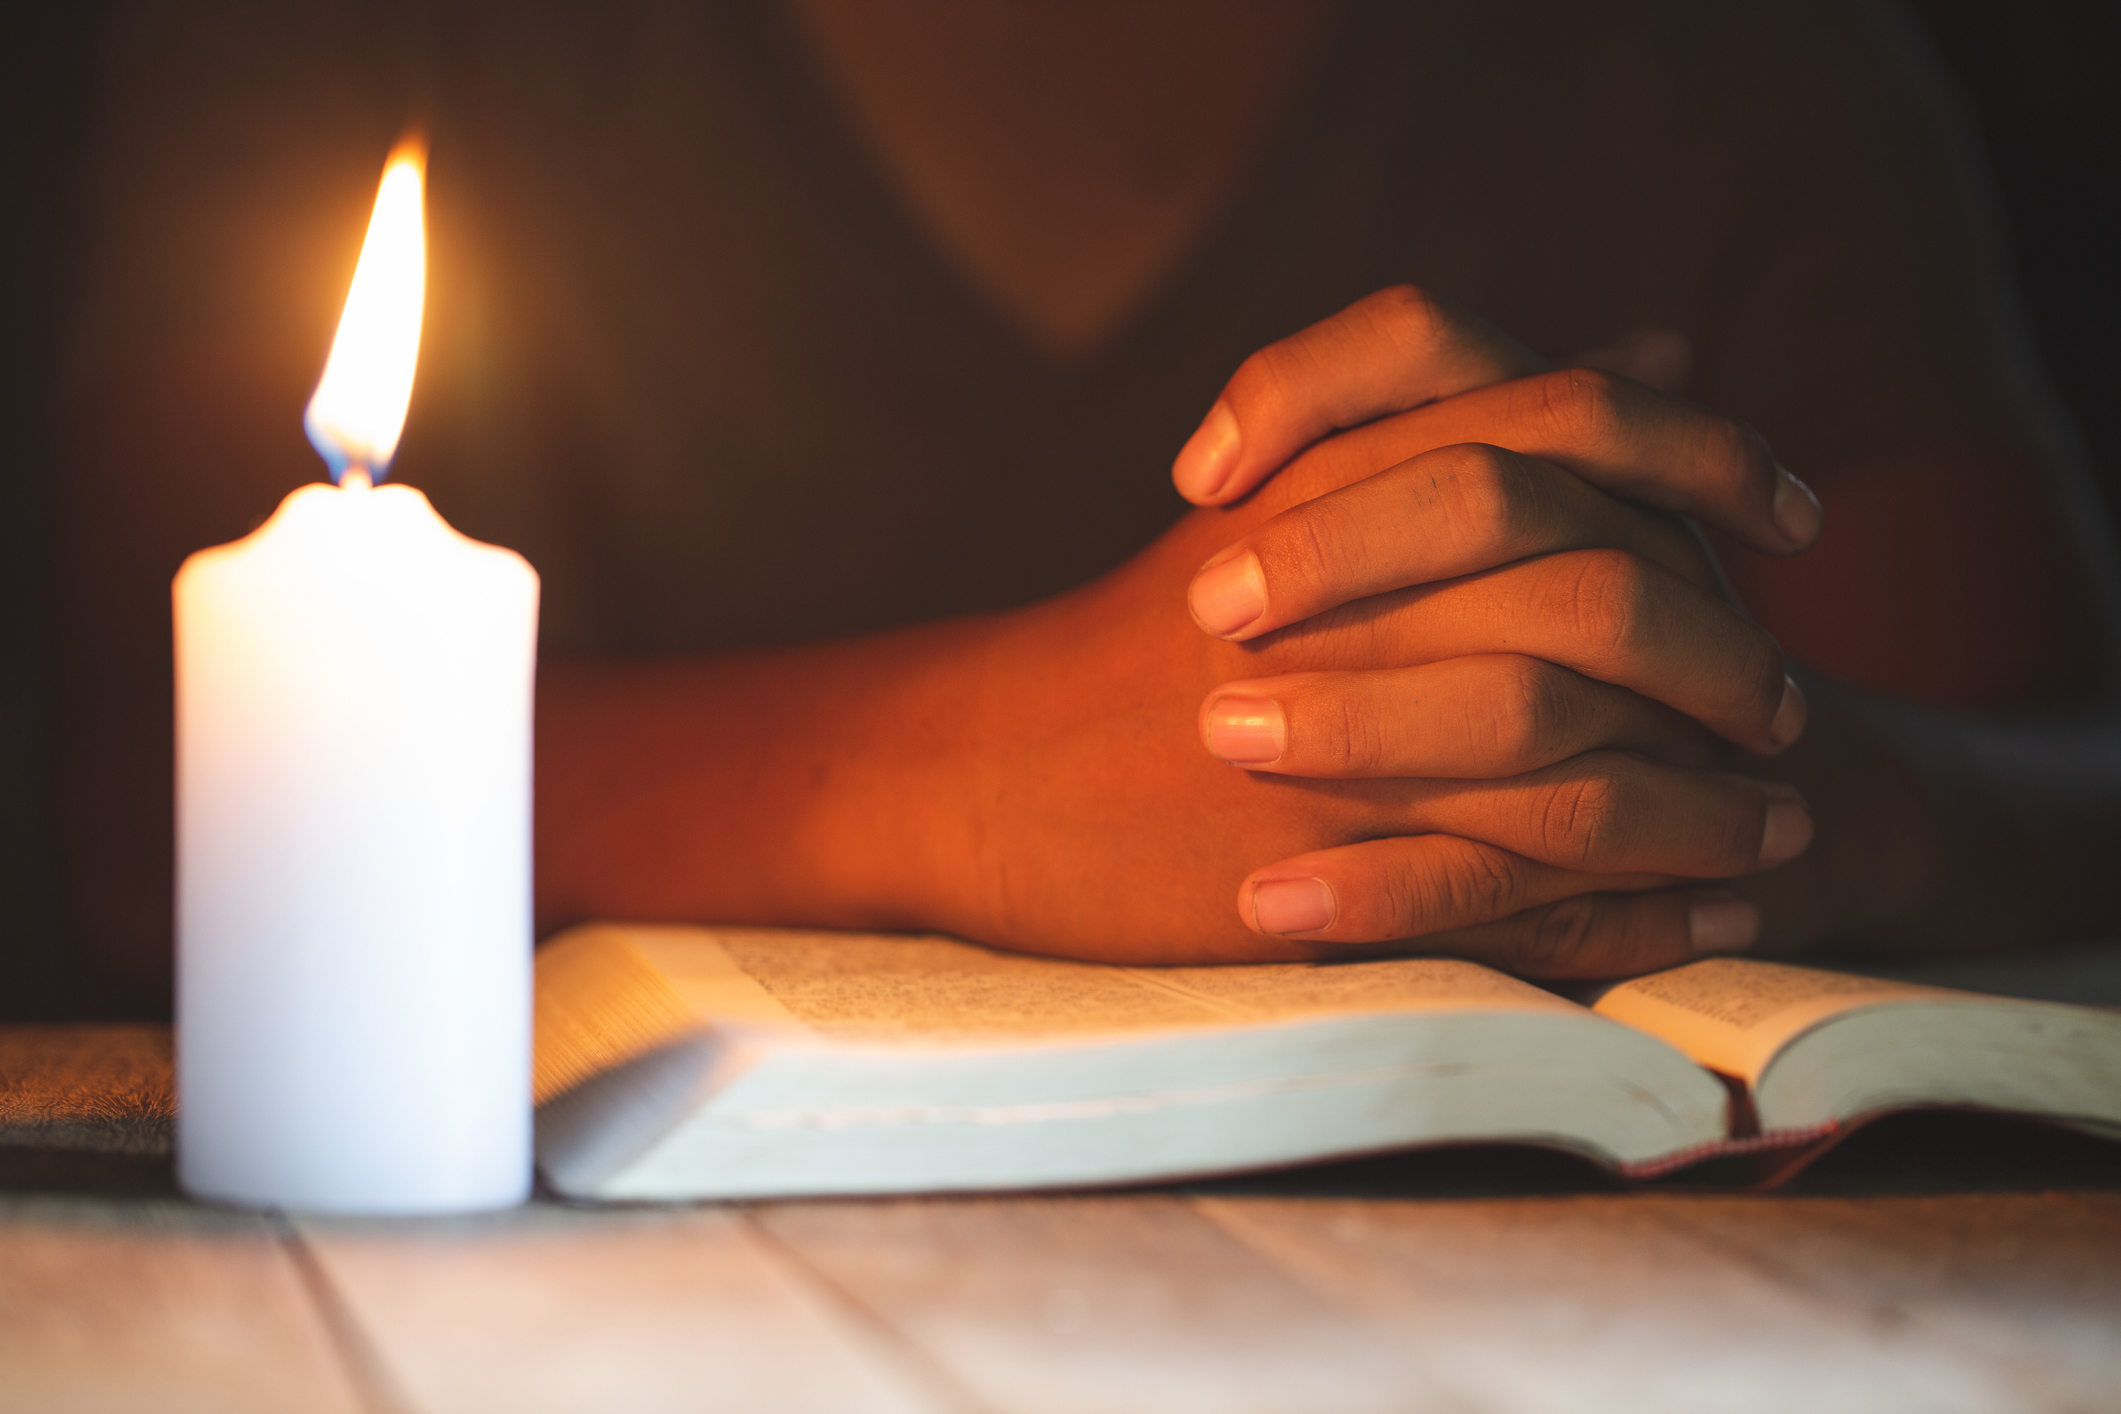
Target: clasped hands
{"points": [[1484, 604], [1460, 678]]}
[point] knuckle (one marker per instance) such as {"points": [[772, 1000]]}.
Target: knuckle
{"points": [[1608, 598], [1583, 821], [1490, 497], [1537, 716], [1267, 379], [1356, 742], [1303, 551], [1557, 710], [1580, 406], [1556, 936], [1402, 310], [1473, 885], [1280, 374]]}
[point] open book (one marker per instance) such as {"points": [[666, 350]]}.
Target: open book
{"points": [[737, 1062]]}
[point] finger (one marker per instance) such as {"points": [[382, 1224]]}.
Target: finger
{"points": [[1474, 718], [1390, 351], [1607, 935], [1580, 934], [1604, 613], [1610, 812], [1449, 512], [1659, 358], [1637, 443], [1409, 887]]}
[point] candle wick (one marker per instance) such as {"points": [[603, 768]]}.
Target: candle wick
{"points": [[355, 478]]}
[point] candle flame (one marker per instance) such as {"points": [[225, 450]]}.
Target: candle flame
{"points": [[358, 410]]}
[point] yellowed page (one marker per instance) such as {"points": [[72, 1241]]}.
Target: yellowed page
{"points": [[1274, 991], [1733, 1014], [600, 1004], [870, 987], [881, 988], [612, 991]]}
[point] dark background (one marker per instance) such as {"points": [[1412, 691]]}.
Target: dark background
{"points": [[2034, 80]]}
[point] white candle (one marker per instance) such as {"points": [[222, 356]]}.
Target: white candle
{"points": [[353, 821]]}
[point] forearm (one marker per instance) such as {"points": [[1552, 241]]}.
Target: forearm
{"points": [[805, 785]]}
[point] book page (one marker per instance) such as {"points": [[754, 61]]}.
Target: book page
{"points": [[1733, 1014], [1270, 991], [600, 1003], [924, 989], [854, 986], [927, 990]]}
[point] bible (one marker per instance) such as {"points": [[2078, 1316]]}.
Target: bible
{"points": [[683, 1063]]}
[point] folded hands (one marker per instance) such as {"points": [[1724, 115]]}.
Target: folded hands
{"points": [[1485, 600]]}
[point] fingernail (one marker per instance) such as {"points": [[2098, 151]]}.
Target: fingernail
{"points": [[1722, 923], [1247, 731], [1228, 594], [1284, 906], [1204, 464], [1790, 715], [1797, 512], [1788, 832]]}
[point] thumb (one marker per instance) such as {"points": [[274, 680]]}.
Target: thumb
{"points": [[1386, 353]]}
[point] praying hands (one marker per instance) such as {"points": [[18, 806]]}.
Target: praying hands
{"points": [[1486, 688], [1571, 686]]}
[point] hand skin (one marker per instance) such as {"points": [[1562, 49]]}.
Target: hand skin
{"points": [[1029, 780], [1500, 493], [1032, 780], [1938, 832]]}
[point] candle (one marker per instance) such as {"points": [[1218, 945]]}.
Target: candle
{"points": [[353, 816]]}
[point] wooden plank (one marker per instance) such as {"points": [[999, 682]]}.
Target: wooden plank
{"points": [[1097, 1305], [2031, 1283], [643, 1310], [160, 1306], [1609, 1303]]}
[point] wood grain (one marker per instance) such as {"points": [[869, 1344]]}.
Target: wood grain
{"points": [[2023, 1282], [1650, 1303], [1098, 1305], [552, 1309], [1305, 1297], [162, 1306]]}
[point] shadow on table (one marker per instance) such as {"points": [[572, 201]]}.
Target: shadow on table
{"points": [[87, 1173], [1941, 1151], [1921, 1152]]}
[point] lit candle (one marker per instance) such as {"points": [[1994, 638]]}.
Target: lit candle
{"points": [[353, 816]]}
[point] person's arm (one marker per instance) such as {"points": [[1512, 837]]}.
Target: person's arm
{"points": [[1033, 779]]}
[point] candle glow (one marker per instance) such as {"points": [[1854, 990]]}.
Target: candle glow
{"points": [[353, 815], [358, 410]]}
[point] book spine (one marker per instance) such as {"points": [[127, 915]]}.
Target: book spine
{"points": [[1814, 1139]]}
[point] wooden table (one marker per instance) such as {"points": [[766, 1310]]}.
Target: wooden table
{"points": [[1932, 1266]]}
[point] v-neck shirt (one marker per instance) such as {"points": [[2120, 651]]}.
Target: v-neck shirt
{"points": [[690, 352]]}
